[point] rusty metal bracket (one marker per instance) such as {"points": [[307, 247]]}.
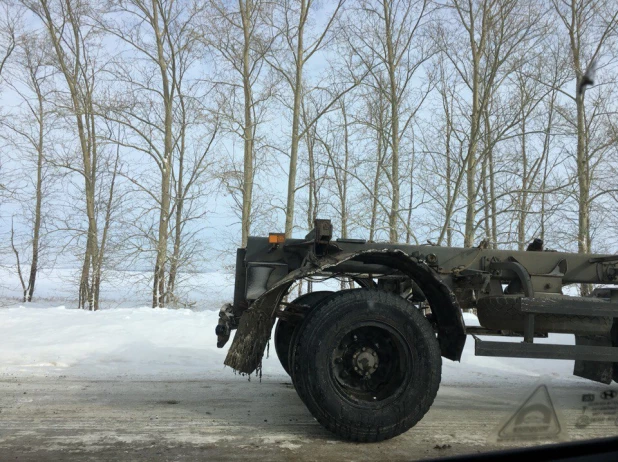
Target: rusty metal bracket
{"points": [[520, 272]]}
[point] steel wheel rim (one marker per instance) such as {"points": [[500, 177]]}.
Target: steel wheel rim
{"points": [[371, 364]]}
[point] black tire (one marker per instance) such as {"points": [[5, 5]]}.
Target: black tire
{"points": [[284, 330], [367, 364], [298, 328]]}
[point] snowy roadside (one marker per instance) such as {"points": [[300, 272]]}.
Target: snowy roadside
{"points": [[133, 342], [128, 339], [166, 343]]}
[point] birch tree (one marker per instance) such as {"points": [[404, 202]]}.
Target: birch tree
{"points": [[156, 105], [9, 17], [8, 24], [240, 39], [591, 27], [152, 43], [317, 169], [376, 119], [299, 43], [28, 135], [335, 141], [536, 85], [76, 45], [493, 31], [446, 159], [389, 38]]}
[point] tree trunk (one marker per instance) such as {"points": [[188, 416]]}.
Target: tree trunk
{"points": [[298, 94], [492, 200], [36, 231], [344, 174], [248, 129], [18, 262], [485, 189], [81, 100], [381, 147], [158, 290], [410, 203], [394, 106], [312, 196], [471, 161], [179, 205], [449, 193], [523, 202], [583, 182]]}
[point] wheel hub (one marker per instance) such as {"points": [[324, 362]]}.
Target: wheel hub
{"points": [[365, 361]]}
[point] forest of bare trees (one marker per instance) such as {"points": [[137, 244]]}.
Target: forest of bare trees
{"points": [[159, 134]]}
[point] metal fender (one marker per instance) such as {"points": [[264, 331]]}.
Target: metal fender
{"points": [[247, 349]]}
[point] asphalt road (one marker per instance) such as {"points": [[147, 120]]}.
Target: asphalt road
{"points": [[60, 418]]}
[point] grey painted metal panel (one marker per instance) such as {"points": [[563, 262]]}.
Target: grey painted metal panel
{"points": [[535, 350]]}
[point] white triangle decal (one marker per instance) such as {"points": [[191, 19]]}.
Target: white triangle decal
{"points": [[535, 419]]}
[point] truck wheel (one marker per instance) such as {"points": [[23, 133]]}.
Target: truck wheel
{"points": [[285, 329], [367, 364]]}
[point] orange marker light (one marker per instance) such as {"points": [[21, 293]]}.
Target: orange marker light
{"points": [[276, 238]]}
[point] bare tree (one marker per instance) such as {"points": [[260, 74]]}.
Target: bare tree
{"points": [[188, 185], [389, 38], [592, 27], [156, 17], [298, 45], [493, 33], [9, 17], [536, 85], [317, 170], [157, 114], [336, 143], [240, 39], [75, 44], [377, 120], [452, 172], [28, 134]]}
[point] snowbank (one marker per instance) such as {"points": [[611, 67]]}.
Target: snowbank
{"points": [[138, 342], [143, 342], [52, 337]]}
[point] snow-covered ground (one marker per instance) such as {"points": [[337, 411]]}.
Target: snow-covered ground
{"points": [[128, 339], [132, 382]]}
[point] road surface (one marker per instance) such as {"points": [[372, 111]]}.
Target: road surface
{"points": [[64, 418]]}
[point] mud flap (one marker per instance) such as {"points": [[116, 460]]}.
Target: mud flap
{"points": [[247, 349], [245, 354], [594, 370]]}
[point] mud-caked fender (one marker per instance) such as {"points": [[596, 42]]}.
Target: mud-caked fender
{"points": [[247, 349]]}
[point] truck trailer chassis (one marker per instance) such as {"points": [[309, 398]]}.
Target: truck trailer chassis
{"points": [[367, 361]]}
